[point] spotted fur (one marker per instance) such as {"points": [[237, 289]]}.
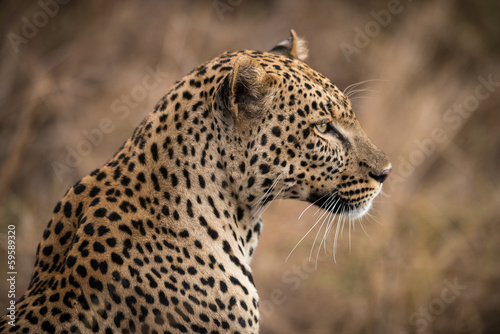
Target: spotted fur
{"points": [[160, 239]]}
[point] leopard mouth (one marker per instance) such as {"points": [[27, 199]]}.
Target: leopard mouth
{"points": [[339, 205]]}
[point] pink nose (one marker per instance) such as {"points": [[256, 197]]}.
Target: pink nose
{"points": [[382, 176]]}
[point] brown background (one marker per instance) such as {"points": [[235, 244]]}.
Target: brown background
{"points": [[436, 223]]}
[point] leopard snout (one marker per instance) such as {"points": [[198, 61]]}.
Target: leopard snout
{"points": [[383, 175]]}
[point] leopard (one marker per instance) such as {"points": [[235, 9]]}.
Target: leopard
{"points": [[160, 238]]}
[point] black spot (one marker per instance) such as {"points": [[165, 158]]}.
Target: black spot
{"points": [[201, 180], [125, 181], [155, 182], [240, 213], [118, 318], [223, 287], [81, 271], [235, 281], [162, 298], [154, 151], [213, 233], [142, 158], [94, 191], [57, 208], [174, 180], [99, 248], [305, 133], [116, 258], [276, 131], [48, 327], [101, 176], [251, 181], [204, 317], [202, 220], [263, 140], [111, 242], [188, 181], [264, 168], [89, 229], [113, 216], [163, 172], [67, 209], [95, 283], [65, 317], [226, 247], [187, 95], [79, 189], [70, 261], [254, 159], [141, 177], [189, 208], [125, 229], [47, 250], [101, 212], [102, 230]]}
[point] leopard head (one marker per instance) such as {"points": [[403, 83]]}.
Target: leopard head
{"points": [[295, 134]]}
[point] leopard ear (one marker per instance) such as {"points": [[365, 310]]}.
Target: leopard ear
{"points": [[293, 47], [245, 92]]}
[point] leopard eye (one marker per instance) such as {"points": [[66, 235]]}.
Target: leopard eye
{"points": [[322, 127]]}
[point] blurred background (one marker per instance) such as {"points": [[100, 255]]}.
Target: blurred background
{"points": [[427, 261]]}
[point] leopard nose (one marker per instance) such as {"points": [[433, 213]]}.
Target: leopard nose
{"points": [[382, 176]]}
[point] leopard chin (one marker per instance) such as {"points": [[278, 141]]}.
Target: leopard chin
{"points": [[355, 213]]}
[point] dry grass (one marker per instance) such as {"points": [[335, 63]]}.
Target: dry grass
{"points": [[438, 222]]}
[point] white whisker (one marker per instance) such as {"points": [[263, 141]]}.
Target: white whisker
{"points": [[316, 237], [348, 90], [324, 205], [301, 240], [314, 203], [332, 219], [327, 204], [384, 194], [268, 192], [257, 206], [363, 228], [271, 201], [339, 223], [350, 225], [356, 91]]}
